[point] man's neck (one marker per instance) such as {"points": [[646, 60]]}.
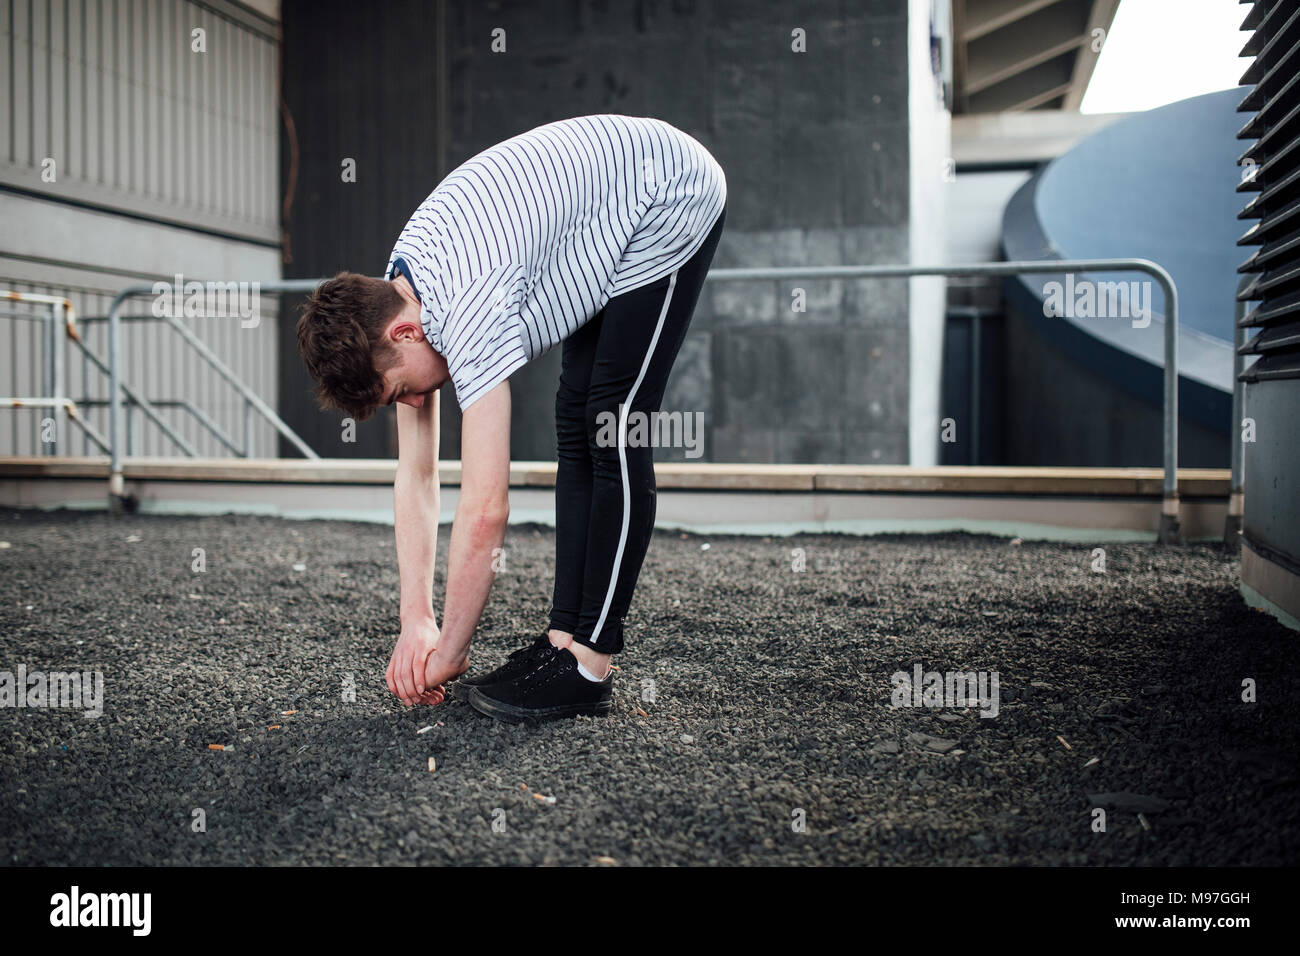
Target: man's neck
{"points": [[404, 289]]}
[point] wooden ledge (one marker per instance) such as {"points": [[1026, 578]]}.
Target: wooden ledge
{"points": [[697, 476]]}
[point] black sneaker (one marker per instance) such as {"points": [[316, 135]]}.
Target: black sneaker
{"points": [[551, 688], [517, 663]]}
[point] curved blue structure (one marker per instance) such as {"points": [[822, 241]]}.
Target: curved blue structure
{"points": [[1159, 185]]}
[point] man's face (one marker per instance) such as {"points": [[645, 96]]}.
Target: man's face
{"points": [[419, 369]]}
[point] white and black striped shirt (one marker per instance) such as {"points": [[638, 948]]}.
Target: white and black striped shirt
{"points": [[523, 243]]}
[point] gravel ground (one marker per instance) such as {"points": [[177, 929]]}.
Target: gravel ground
{"points": [[753, 719]]}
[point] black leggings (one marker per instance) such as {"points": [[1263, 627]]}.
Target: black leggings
{"points": [[615, 364]]}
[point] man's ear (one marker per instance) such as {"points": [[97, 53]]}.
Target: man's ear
{"points": [[409, 331]]}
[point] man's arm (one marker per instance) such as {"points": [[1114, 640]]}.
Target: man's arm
{"points": [[477, 530], [416, 502]]}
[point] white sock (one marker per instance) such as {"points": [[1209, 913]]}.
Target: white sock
{"points": [[588, 674]]}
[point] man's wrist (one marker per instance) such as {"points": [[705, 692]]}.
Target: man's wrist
{"points": [[419, 615], [447, 650]]}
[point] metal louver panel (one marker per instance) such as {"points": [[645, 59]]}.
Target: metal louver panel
{"points": [[1273, 162]]}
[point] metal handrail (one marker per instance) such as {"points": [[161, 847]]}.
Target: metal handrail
{"points": [[184, 404], [148, 407], [143, 404], [1170, 531], [116, 479], [55, 375]]}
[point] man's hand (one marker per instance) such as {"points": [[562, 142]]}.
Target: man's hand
{"points": [[442, 666], [406, 668]]}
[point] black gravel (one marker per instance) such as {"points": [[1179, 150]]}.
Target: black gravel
{"points": [[771, 705]]}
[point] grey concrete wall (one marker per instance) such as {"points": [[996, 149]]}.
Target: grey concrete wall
{"points": [[815, 147]]}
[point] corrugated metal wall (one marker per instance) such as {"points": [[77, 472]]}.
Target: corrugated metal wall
{"points": [[136, 120], [141, 127]]}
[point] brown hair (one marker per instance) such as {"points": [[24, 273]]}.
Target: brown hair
{"points": [[341, 339]]}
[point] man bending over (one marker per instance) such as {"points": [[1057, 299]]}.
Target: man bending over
{"points": [[595, 232]]}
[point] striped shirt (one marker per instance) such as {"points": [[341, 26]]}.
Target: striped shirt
{"points": [[525, 242]]}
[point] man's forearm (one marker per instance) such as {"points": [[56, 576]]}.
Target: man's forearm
{"points": [[476, 535], [416, 501]]}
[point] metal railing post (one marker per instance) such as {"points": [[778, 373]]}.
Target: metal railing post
{"points": [[976, 359], [1171, 531], [58, 321], [116, 482], [48, 347], [85, 390]]}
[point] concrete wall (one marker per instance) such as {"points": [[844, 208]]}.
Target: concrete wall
{"points": [[816, 150]]}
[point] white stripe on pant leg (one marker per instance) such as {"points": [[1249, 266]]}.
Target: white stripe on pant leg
{"points": [[622, 456]]}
